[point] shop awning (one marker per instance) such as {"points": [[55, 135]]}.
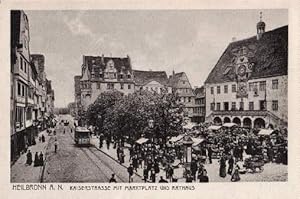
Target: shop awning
{"points": [[142, 140], [229, 124], [197, 141], [189, 125], [213, 127], [176, 139], [265, 132]]}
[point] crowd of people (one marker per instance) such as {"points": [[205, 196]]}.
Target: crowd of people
{"points": [[230, 146]]}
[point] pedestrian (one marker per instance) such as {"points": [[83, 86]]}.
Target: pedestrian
{"points": [[64, 130], [107, 143], [112, 179], [55, 145], [162, 180], [145, 173], [236, 174], [40, 139], [29, 158], [230, 165], [43, 138], [101, 137], [209, 153], [156, 167], [135, 162], [36, 159], [204, 177], [170, 173], [153, 175], [222, 170], [41, 159], [122, 161], [194, 168], [130, 173], [119, 153]]}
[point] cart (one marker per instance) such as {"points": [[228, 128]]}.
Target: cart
{"points": [[254, 163]]}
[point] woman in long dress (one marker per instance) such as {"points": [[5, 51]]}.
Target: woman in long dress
{"points": [[222, 171], [236, 174], [36, 159]]}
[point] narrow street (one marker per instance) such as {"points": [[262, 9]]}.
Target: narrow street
{"points": [[80, 164]]}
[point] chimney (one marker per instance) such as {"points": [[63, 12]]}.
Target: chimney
{"points": [[233, 39]]}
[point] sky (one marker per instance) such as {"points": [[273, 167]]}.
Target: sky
{"points": [[189, 41]]}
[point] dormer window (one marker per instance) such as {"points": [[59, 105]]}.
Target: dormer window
{"points": [[121, 76], [128, 76]]}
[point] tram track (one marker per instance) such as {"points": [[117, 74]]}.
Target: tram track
{"points": [[89, 153]]}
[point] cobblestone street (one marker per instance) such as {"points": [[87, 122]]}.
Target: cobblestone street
{"points": [[74, 164]]}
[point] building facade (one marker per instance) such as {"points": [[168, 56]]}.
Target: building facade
{"points": [[100, 74], [199, 110], [249, 84], [26, 87], [181, 86]]}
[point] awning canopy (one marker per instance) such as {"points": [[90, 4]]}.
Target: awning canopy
{"points": [[197, 141], [176, 138], [265, 132], [142, 140], [213, 127], [229, 124], [189, 125], [82, 129]]}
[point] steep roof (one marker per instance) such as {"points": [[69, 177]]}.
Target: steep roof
{"points": [[100, 62], [199, 91], [144, 77], [269, 55], [179, 80], [40, 60]]}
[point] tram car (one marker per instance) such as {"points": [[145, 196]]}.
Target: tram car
{"points": [[82, 136]]}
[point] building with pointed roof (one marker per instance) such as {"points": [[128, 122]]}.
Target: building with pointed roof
{"points": [[100, 74], [181, 85], [155, 81], [249, 83]]}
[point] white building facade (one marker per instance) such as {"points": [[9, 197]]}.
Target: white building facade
{"points": [[249, 84]]}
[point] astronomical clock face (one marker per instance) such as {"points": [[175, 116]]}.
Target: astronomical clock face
{"points": [[242, 89], [242, 70]]}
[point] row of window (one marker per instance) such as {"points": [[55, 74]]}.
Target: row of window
{"points": [[111, 75], [111, 86], [185, 99], [253, 86], [199, 110], [200, 101], [262, 106], [20, 115], [21, 89]]}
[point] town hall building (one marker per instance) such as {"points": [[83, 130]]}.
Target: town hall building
{"points": [[249, 84]]}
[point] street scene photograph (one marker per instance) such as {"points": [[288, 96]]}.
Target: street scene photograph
{"points": [[149, 96]]}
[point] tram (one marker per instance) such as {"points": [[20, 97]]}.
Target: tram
{"points": [[82, 136]]}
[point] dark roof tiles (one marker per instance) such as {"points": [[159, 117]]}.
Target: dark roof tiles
{"points": [[144, 77], [269, 55]]}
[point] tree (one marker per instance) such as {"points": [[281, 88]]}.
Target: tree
{"points": [[96, 112]]}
